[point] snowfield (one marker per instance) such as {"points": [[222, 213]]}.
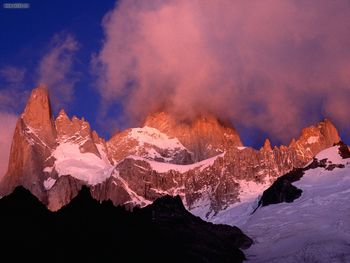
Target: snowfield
{"points": [[87, 167], [152, 136], [314, 228], [151, 142]]}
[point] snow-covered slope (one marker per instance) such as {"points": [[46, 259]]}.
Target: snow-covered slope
{"points": [[148, 143], [313, 228], [87, 167]]}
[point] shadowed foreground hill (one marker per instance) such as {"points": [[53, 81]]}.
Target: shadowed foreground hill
{"points": [[87, 231]]}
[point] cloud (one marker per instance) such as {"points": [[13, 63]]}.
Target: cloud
{"points": [[13, 93], [12, 75], [271, 65], [7, 127], [56, 68]]}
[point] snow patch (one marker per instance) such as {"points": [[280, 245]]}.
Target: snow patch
{"points": [[48, 169], [84, 166], [312, 139], [49, 182], [332, 155], [166, 167], [152, 136]]}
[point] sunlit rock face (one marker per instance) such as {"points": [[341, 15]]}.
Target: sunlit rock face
{"points": [[203, 160], [204, 136]]}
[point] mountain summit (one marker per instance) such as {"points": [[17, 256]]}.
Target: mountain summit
{"points": [[203, 161], [204, 136]]}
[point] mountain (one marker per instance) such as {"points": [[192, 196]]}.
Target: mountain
{"points": [[202, 161], [88, 231], [204, 137], [303, 216]]}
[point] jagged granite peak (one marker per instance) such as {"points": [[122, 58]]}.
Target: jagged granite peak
{"points": [[267, 146], [315, 138], [33, 141], [324, 131], [62, 121], [204, 136], [37, 115], [77, 131]]}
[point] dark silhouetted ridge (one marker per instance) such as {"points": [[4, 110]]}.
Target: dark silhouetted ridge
{"points": [[88, 231]]}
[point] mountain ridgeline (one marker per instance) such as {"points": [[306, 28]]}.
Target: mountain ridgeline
{"points": [[88, 231], [203, 162]]}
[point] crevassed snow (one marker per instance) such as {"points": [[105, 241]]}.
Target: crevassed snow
{"points": [[49, 182], [314, 228], [148, 135], [166, 167], [84, 166]]}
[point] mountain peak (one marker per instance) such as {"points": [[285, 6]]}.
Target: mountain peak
{"points": [[62, 114], [267, 145], [324, 131], [205, 136], [164, 120], [38, 113], [329, 130]]}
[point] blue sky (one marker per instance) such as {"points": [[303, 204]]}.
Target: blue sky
{"points": [[279, 91], [25, 38]]}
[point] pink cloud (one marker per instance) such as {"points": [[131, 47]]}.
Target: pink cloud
{"points": [[56, 68], [7, 127], [12, 75], [273, 65], [13, 93]]}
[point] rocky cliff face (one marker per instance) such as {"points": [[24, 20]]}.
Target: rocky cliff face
{"points": [[203, 162], [33, 141], [204, 137]]}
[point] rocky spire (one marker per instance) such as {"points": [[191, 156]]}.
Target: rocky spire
{"points": [[62, 125], [38, 117], [267, 145], [33, 142]]}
